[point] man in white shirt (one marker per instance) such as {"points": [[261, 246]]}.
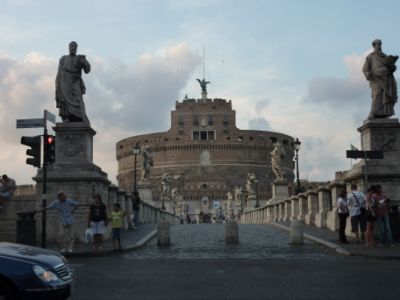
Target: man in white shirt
{"points": [[357, 203]]}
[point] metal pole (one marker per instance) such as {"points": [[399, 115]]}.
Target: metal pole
{"points": [[44, 187], [297, 171], [257, 204], [365, 173], [134, 176]]}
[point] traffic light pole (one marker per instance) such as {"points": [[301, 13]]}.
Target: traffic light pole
{"points": [[44, 191]]}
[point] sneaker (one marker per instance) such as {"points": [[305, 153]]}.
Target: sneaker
{"points": [[63, 250], [70, 251]]}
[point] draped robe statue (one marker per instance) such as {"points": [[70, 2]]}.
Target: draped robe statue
{"points": [[70, 86]]}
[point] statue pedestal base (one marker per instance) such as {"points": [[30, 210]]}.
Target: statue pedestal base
{"points": [[145, 192], [251, 202], [74, 173], [280, 191], [379, 135]]}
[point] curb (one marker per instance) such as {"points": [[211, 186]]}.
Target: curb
{"points": [[327, 244], [143, 241]]}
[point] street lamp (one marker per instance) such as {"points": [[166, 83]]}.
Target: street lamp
{"points": [[135, 194], [256, 184], [296, 145]]}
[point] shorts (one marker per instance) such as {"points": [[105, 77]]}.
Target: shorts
{"points": [[97, 227], [5, 195], [358, 221], [116, 233]]}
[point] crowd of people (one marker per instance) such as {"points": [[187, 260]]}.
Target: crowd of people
{"points": [[98, 220], [366, 212]]}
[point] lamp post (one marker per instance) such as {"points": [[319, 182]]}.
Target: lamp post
{"points": [[135, 194], [256, 184], [296, 145]]}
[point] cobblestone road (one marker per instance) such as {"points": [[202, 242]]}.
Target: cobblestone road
{"points": [[207, 241]]}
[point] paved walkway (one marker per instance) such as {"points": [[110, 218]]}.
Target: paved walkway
{"points": [[130, 239], [330, 239]]}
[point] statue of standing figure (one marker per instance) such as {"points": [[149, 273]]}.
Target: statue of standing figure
{"points": [[203, 85], [378, 69], [70, 86], [238, 195], [166, 180], [277, 155], [147, 163], [251, 184], [178, 201]]}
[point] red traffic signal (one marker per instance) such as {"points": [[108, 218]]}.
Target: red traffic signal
{"points": [[49, 148]]}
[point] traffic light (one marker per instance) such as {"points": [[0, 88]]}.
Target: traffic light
{"points": [[34, 143], [49, 148]]}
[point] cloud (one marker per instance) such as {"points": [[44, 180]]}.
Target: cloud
{"points": [[259, 124], [146, 88], [122, 100], [336, 92]]}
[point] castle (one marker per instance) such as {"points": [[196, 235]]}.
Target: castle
{"points": [[206, 155]]}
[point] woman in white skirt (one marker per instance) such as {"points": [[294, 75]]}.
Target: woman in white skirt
{"points": [[97, 221]]}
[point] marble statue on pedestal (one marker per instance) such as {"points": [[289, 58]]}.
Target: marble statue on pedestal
{"points": [[238, 195], [378, 69], [277, 154], [147, 163], [166, 180], [177, 200], [251, 185], [70, 86]]}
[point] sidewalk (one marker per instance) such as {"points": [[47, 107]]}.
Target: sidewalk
{"points": [[330, 239], [130, 239]]}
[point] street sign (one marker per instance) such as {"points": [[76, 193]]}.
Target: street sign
{"points": [[49, 116], [30, 123], [364, 154]]}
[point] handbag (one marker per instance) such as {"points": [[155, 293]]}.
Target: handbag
{"points": [[363, 210]]}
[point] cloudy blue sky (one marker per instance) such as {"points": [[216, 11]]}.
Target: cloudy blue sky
{"points": [[288, 66]]}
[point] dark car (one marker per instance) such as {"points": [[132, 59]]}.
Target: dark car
{"points": [[33, 273]]}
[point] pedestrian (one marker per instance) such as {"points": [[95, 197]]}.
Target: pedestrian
{"points": [[356, 201], [65, 208], [7, 189], [372, 204], [384, 230], [97, 221], [343, 213], [117, 220], [136, 210]]}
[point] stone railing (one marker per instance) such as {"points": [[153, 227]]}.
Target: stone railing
{"points": [[27, 199], [315, 207], [147, 212]]}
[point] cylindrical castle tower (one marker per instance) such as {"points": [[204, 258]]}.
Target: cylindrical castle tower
{"points": [[206, 154]]}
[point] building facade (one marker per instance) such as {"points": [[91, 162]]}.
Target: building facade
{"points": [[207, 156]]}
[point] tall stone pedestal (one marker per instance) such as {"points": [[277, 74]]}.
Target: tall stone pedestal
{"points": [[380, 135], [251, 202], [279, 191], [146, 193], [74, 173]]}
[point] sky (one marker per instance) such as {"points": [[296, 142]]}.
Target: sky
{"points": [[288, 66]]}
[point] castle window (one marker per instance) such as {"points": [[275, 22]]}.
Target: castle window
{"points": [[196, 135], [203, 135], [210, 120], [211, 135]]}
